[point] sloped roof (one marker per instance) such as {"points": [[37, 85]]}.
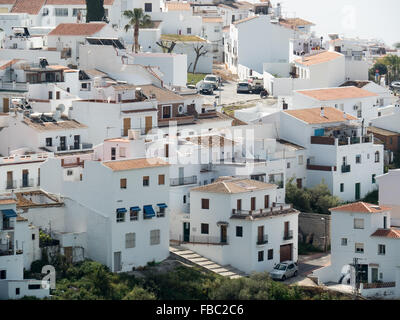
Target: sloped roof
{"points": [[392, 233], [361, 207], [75, 2], [28, 6], [135, 164], [382, 132], [59, 125], [77, 29], [178, 6], [296, 22], [313, 115], [7, 2], [229, 185], [245, 20], [319, 58], [340, 93], [355, 83], [7, 201]]}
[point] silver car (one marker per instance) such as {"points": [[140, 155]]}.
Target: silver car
{"points": [[284, 270]]}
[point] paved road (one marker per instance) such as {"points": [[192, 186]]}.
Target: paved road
{"points": [[229, 96]]}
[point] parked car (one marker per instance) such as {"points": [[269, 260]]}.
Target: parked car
{"points": [[244, 87], [256, 83], [205, 87], [210, 78], [284, 270], [395, 86], [191, 86]]}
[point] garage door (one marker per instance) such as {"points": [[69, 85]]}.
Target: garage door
{"points": [[286, 252]]}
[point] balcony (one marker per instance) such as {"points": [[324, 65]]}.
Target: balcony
{"points": [[13, 86], [323, 140], [202, 239], [183, 181], [321, 168], [179, 121], [288, 235], [27, 183], [11, 184], [6, 249], [345, 168], [262, 240], [261, 213]]}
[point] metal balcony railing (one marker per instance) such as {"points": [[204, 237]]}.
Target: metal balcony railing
{"points": [[183, 181], [262, 240], [28, 183], [288, 235], [345, 168], [11, 184]]}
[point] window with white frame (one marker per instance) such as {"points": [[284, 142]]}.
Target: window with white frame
{"points": [[358, 223], [61, 12], [344, 241], [122, 152], [359, 248], [130, 240], [154, 237], [120, 216]]}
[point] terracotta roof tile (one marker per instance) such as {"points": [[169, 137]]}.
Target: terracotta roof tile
{"points": [[319, 58], [5, 2], [361, 207], [296, 22], [231, 185], [59, 125], [7, 201], [77, 29], [313, 115], [135, 164], [212, 19], [178, 6], [75, 2], [340, 93], [392, 233], [28, 6], [211, 141]]}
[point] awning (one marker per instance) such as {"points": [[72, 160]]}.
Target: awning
{"points": [[9, 213], [135, 209], [162, 205], [121, 210], [149, 211]]}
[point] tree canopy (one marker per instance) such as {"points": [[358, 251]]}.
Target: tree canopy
{"points": [[95, 10]]}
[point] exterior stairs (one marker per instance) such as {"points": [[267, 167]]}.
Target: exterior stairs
{"points": [[193, 258]]}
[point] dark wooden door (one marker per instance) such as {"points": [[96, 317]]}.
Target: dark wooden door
{"points": [[286, 252], [266, 201], [224, 237], [253, 203], [299, 183], [186, 231], [260, 234]]}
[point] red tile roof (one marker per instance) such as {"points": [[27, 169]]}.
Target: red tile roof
{"points": [[319, 58], [28, 6], [133, 164], [5, 2], [340, 93], [391, 233], [75, 2], [77, 29], [313, 115], [361, 207], [178, 6]]}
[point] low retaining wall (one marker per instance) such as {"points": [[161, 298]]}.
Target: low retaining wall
{"points": [[313, 228]]}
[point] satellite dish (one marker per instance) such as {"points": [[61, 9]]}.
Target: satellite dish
{"points": [[60, 108]]}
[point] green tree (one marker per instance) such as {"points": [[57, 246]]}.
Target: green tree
{"points": [[397, 45], [392, 63], [139, 293], [95, 10], [380, 67], [136, 19]]}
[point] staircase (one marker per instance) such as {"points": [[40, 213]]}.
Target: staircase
{"points": [[193, 258]]}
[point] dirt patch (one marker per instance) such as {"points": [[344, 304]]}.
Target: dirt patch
{"points": [[224, 73], [165, 266]]}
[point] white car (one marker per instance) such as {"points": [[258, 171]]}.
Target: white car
{"points": [[284, 270], [214, 80]]}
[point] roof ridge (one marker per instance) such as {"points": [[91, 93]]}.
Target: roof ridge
{"points": [[226, 186]]}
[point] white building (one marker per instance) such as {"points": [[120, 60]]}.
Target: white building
{"points": [[19, 247], [232, 216], [338, 151], [355, 101], [365, 236]]}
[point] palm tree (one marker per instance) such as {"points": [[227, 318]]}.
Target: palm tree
{"points": [[137, 19]]}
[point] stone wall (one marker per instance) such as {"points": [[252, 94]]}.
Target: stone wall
{"points": [[313, 227]]}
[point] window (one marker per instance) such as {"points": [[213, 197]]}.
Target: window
{"points": [[342, 187], [270, 254], [49, 142], [122, 152], [61, 12], [358, 223], [205, 203], [358, 158], [188, 30], [130, 240], [344, 241], [288, 165], [70, 173], [154, 237], [33, 236], [239, 231], [184, 199], [300, 160], [50, 95], [120, 216], [75, 12], [204, 228], [3, 274], [376, 156], [148, 7], [123, 183], [373, 178], [17, 291], [260, 256], [146, 181], [381, 249], [133, 214], [239, 204], [161, 179], [359, 247], [58, 95]]}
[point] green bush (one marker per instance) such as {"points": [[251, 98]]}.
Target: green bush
{"points": [[36, 266]]}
